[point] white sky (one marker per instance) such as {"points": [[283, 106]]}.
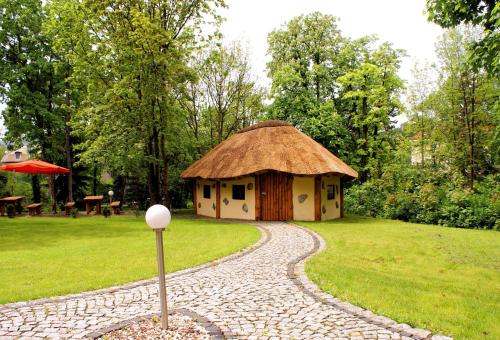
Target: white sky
{"points": [[401, 22]]}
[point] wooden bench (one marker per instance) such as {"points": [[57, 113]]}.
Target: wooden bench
{"points": [[34, 209], [68, 207], [115, 206]]}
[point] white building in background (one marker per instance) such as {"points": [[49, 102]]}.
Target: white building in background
{"points": [[19, 155]]}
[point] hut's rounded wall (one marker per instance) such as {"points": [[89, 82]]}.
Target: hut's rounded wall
{"points": [[303, 198], [206, 206], [237, 208], [330, 207]]}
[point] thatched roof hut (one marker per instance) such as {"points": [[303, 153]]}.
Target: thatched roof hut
{"points": [[285, 166]]}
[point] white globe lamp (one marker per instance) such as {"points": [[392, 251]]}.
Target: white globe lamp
{"points": [[158, 218]]}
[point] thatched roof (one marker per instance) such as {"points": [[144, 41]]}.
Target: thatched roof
{"points": [[272, 145]]}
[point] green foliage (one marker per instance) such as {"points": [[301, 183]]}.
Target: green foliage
{"points": [[482, 13], [30, 84], [445, 167], [341, 92], [422, 198], [106, 212], [74, 213]]}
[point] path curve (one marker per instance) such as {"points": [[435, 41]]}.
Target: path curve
{"points": [[259, 293]]}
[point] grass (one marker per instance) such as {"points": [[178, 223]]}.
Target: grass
{"points": [[44, 257], [442, 279]]}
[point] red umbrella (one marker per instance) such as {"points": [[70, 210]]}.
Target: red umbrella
{"points": [[38, 167], [35, 167]]}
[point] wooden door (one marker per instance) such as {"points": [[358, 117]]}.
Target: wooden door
{"points": [[275, 191]]}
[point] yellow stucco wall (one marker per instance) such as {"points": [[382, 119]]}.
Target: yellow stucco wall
{"points": [[330, 209], [234, 208], [303, 186], [206, 206]]}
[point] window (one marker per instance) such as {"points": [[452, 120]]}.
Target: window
{"points": [[331, 192], [206, 191], [238, 192], [18, 155]]}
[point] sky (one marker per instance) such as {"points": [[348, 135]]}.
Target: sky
{"points": [[400, 22]]}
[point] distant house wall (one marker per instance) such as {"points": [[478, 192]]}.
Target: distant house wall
{"points": [[330, 208], [16, 156], [240, 209], [206, 206], [303, 198]]}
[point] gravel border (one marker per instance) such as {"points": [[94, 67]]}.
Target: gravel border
{"points": [[296, 273], [264, 238], [213, 330]]}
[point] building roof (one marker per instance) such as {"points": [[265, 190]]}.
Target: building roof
{"points": [[267, 146], [19, 155]]}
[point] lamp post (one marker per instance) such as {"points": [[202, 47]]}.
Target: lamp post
{"points": [[110, 194], [158, 218]]}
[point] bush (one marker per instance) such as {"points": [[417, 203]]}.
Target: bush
{"points": [[438, 201], [106, 212], [74, 212]]}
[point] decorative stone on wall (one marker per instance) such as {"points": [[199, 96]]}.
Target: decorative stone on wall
{"points": [[323, 209], [302, 198], [225, 201], [249, 186], [245, 207], [213, 206], [199, 205], [336, 204]]}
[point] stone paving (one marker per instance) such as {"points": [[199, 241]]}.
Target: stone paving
{"points": [[259, 294]]}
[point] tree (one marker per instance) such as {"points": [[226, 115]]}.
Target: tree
{"points": [[223, 98], [421, 116], [484, 13], [342, 92], [464, 102], [304, 65], [133, 58], [372, 92], [30, 84]]}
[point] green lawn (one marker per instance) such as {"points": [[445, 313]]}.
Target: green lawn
{"points": [[43, 257], [442, 279]]}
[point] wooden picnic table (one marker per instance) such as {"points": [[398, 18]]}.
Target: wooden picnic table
{"points": [[16, 200], [93, 200]]}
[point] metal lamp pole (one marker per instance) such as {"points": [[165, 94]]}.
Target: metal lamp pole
{"points": [[161, 278], [158, 217]]}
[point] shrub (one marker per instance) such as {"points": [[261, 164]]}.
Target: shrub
{"points": [[106, 212], [74, 212], [428, 199]]}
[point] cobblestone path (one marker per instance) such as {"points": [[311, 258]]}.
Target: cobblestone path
{"points": [[260, 294]]}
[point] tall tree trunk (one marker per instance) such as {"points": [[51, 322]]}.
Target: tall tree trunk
{"points": [[52, 190], [68, 146], [94, 180], [153, 169], [35, 187], [164, 172]]}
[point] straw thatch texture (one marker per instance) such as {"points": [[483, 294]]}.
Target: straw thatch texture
{"points": [[272, 145]]}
